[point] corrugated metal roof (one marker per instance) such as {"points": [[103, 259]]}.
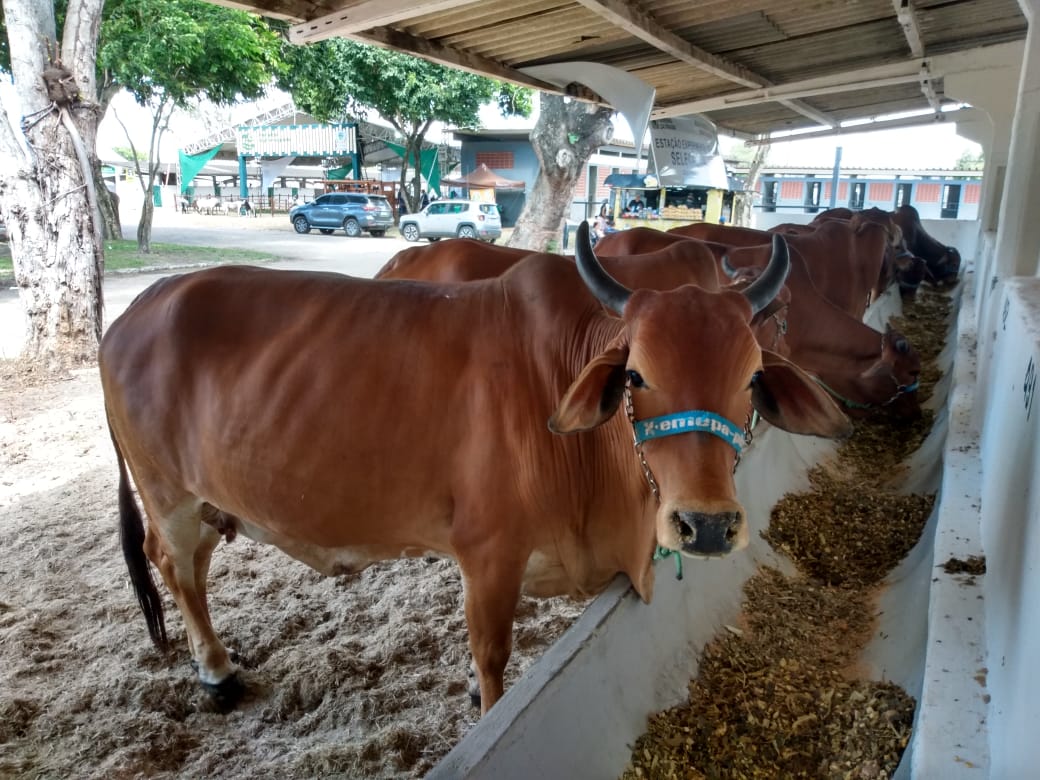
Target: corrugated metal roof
{"points": [[691, 52]]}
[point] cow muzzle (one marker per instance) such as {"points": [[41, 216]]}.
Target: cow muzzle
{"points": [[709, 534]]}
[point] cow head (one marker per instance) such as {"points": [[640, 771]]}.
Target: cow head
{"points": [[686, 362], [944, 271], [896, 376], [910, 271]]}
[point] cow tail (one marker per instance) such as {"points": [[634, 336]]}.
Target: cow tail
{"points": [[131, 537]]}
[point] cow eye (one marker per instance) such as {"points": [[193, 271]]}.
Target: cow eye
{"points": [[754, 378], [636, 379]]}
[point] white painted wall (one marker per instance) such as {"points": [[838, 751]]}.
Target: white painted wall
{"points": [[1010, 458]]}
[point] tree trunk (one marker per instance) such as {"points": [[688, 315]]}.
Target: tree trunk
{"points": [[745, 215], [564, 138], [144, 226], [108, 203], [46, 197]]}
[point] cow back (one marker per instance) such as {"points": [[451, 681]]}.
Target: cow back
{"points": [[452, 260]]}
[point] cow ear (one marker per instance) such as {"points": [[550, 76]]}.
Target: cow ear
{"points": [[594, 396], [788, 398]]}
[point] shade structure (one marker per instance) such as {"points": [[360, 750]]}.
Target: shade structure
{"points": [[484, 178]]}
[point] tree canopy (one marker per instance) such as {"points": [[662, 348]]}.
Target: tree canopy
{"points": [[179, 50], [167, 53], [338, 79]]}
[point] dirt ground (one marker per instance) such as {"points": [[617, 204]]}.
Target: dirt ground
{"points": [[356, 677]]}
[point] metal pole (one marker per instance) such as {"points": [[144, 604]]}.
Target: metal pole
{"points": [[834, 176]]}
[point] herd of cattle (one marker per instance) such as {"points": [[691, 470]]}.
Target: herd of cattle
{"points": [[211, 204], [481, 402]]}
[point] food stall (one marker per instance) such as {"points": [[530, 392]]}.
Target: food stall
{"points": [[663, 207], [689, 183]]}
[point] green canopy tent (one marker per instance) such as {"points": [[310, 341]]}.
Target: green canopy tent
{"points": [[429, 166], [191, 164]]}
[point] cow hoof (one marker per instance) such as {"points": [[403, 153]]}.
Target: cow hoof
{"points": [[226, 693], [473, 686]]}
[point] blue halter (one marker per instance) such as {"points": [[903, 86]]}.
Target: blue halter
{"points": [[689, 422]]}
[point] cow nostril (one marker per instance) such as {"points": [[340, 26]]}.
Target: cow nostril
{"points": [[686, 531], [732, 531]]}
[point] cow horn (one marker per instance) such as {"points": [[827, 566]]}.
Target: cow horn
{"points": [[727, 267], [765, 288], [606, 288]]}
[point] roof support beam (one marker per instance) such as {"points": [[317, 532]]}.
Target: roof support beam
{"points": [[869, 127], [911, 29], [929, 91], [883, 76], [453, 58], [930, 70], [367, 15], [907, 17], [643, 26]]}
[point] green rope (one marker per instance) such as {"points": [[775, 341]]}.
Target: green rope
{"points": [[848, 404], [664, 552]]}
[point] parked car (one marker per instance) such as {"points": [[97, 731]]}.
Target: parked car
{"points": [[451, 219], [352, 212]]}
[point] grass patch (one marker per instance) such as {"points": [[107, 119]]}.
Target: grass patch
{"points": [[122, 255]]}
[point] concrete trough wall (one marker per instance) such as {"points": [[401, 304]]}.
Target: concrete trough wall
{"points": [[1010, 529], [579, 709]]}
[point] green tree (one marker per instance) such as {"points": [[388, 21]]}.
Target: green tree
{"points": [[169, 53], [336, 80], [969, 162]]}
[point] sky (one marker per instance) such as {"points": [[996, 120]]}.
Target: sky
{"points": [[931, 146]]}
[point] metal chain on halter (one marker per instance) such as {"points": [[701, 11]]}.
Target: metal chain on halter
{"points": [[749, 423], [630, 411]]}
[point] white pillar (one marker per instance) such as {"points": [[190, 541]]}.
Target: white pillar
{"points": [[1016, 243], [1018, 235], [988, 85]]}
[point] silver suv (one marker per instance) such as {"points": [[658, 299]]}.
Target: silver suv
{"points": [[350, 211], [451, 219]]}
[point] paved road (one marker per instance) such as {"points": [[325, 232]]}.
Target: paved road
{"points": [[355, 256], [361, 256]]}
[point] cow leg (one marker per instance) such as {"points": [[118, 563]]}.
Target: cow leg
{"points": [[492, 590], [181, 550]]}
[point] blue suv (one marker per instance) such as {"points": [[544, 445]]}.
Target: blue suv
{"points": [[351, 212]]}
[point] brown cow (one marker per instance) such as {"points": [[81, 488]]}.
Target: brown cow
{"points": [[907, 269], [849, 266], [348, 421], [943, 262], [471, 259], [867, 371], [673, 265]]}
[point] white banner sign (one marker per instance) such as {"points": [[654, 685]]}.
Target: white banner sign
{"points": [[296, 140], [686, 153], [272, 169]]}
